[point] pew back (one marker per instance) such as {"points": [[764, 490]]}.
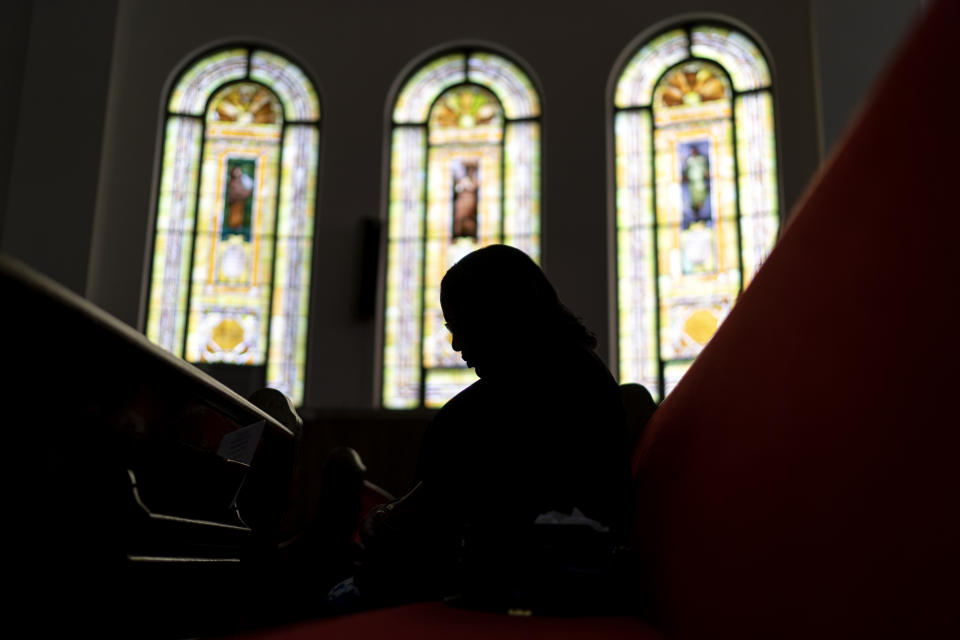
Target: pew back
{"points": [[130, 511]]}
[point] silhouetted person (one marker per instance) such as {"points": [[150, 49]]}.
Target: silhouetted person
{"points": [[639, 406], [541, 431]]}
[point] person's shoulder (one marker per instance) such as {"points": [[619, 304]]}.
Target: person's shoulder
{"points": [[587, 362], [466, 400]]}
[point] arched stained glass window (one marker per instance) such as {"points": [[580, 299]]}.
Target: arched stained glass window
{"points": [[464, 173], [696, 193], [233, 240]]}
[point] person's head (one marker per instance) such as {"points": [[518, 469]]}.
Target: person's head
{"points": [[500, 308]]}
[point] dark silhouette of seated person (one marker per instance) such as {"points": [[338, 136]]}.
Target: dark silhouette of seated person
{"points": [[639, 406], [541, 431]]}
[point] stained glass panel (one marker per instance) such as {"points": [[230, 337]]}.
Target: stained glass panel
{"points": [[230, 297], [696, 215], [757, 162], [443, 384], [735, 52], [467, 114], [521, 203], [463, 205], [635, 268], [635, 87], [290, 84], [288, 321], [504, 78], [673, 372], [173, 244], [676, 286], [401, 351], [243, 220], [463, 175], [295, 224], [692, 91], [425, 85], [195, 85], [464, 193]]}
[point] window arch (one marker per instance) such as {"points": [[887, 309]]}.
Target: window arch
{"points": [[696, 192], [233, 238], [464, 173]]}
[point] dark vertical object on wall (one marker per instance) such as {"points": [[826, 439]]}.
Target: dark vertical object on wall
{"points": [[371, 230]]}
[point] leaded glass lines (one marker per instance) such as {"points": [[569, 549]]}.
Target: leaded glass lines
{"points": [[234, 227], [696, 193], [464, 173]]}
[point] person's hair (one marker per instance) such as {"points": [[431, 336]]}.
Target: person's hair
{"points": [[500, 289]]}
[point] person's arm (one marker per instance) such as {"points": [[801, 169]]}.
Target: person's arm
{"points": [[387, 521]]}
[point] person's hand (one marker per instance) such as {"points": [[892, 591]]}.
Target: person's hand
{"points": [[374, 521], [395, 516]]}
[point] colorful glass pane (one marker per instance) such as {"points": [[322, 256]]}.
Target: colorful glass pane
{"points": [[673, 372], [290, 84], [635, 269], [232, 275], [635, 86], [698, 265], [243, 220], [713, 207], [521, 200], [443, 384], [692, 91], [463, 201], [288, 322], [401, 350], [246, 104], [173, 244], [195, 85], [733, 51], [504, 78], [757, 164], [467, 114], [463, 175], [425, 85]]}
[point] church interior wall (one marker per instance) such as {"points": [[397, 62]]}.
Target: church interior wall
{"points": [[14, 36], [852, 42], [83, 163], [53, 177]]}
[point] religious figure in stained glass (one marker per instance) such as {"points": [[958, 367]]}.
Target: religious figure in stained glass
{"points": [[239, 201], [695, 181], [696, 244], [234, 226], [697, 206], [466, 187], [464, 174]]}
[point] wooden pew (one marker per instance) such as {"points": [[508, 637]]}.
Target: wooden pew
{"points": [[152, 494]]}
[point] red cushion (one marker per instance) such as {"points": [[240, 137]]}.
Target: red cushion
{"points": [[802, 479], [435, 620]]}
